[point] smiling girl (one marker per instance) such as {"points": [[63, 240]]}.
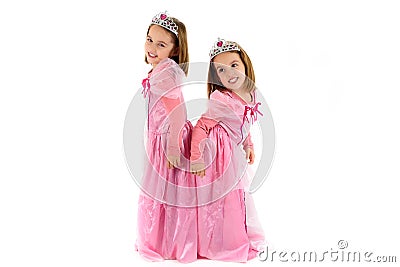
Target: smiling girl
{"points": [[166, 229], [221, 148]]}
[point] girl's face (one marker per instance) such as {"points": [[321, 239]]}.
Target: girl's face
{"points": [[159, 45], [230, 70]]}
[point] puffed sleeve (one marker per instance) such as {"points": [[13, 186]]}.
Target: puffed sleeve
{"points": [[176, 119], [217, 109], [199, 134], [166, 79], [166, 82], [247, 143]]}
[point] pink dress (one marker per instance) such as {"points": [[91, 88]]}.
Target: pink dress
{"points": [[228, 227], [167, 223]]}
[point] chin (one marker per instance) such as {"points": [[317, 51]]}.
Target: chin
{"points": [[150, 60], [235, 88], [239, 87]]}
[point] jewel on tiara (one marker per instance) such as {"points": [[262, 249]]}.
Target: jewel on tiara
{"points": [[221, 46], [162, 19]]}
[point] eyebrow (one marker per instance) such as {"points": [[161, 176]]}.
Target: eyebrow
{"points": [[158, 41], [223, 65]]}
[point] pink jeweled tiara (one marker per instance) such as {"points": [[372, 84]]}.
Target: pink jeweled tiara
{"points": [[162, 19], [221, 46]]}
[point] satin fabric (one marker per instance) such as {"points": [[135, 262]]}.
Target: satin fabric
{"points": [[228, 227], [184, 217], [166, 229]]}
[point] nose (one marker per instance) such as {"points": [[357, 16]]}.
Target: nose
{"points": [[232, 72]]}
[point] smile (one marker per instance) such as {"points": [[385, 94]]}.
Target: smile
{"points": [[233, 80], [151, 55]]}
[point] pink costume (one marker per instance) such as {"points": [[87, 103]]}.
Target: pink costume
{"points": [[167, 227], [228, 227]]}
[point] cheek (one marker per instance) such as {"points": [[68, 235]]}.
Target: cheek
{"points": [[167, 52], [161, 51], [224, 80], [221, 76], [240, 72]]}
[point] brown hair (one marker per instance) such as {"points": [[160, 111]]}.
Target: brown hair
{"points": [[180, 44], [214, 83]]}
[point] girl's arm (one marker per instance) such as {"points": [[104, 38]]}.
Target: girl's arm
{"points": [[177, 119], [248, 147], [200, 133], [247, 143], [166, 84]]}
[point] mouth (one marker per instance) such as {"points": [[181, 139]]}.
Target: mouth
{"points": [[233, 80], [150, 55]]}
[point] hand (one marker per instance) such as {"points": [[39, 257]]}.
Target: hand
{"points": [[250, 155], [173, 161], [198, 169]]}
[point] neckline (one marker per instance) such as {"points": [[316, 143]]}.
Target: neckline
{"points": [[242, 100], [161, 65]]}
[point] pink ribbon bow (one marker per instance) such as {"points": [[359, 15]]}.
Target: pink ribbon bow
{"points": [[253, 113], [253, 116], [145, 92], [146, 87]]}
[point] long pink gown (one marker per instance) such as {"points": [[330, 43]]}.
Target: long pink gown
{"points": [[167, 225], [228, 227]]}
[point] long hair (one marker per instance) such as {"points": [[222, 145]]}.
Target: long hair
{"points": [[214, 83], [180, 45]]}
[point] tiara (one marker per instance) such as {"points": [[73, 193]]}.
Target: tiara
{"points": [[221, 46], [162, 19]]}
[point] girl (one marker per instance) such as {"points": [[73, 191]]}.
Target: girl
{"points": [[228, 227], [166, 230]]}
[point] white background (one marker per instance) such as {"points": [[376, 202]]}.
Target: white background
{"points": [[69, 69]]}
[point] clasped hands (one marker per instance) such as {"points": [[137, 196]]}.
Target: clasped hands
{"points": [[198, 167]]}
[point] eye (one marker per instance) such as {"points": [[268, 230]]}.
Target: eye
{"points": [[234, 65], [149, 40], [220, 70], [161, 45]]}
